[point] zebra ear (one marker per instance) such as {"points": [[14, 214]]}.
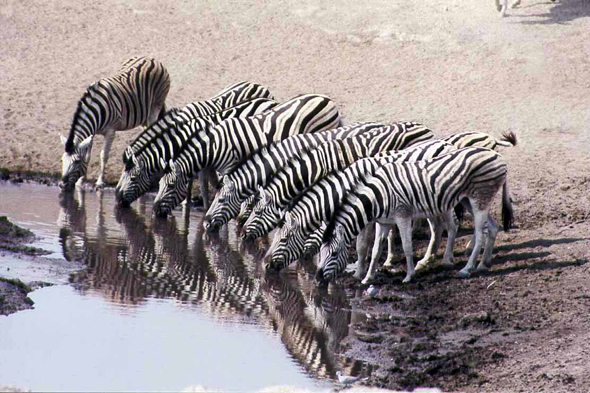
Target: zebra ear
{"points": [[323, 226], [265, 197], [63, 139], [172, 166], [339, 233], [86, 143], [288, 218]]}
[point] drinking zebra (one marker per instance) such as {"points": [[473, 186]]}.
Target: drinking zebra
{"points": [[336, 155], [399, 192], [232, 141], [135, 96], [261, 167], [166, 138], [301, 231]]}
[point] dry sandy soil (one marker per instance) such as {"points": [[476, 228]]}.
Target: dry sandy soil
{"points": [[452, 65]]}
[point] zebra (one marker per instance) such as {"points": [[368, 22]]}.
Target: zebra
{"points": [[300, 232], [259, 169], [317, 163], [503, 6], [234, 140], [135, 96], [165, 139], [400, 192]]}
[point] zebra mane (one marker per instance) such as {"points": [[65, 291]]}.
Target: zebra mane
{"points": [[348, 198], [79, 111]]}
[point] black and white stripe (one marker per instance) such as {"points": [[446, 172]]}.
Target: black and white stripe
{"points": [[335, 155], [261, 167], [234, 140], [301, 230], [135, 96], [399, 192], [166, 138]]}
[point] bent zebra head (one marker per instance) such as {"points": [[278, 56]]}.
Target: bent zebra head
{"points": [[333, 256], [246, 209], [287, 245], [134, 180], [225, 206], [173, 189], [264, 217], [74, 161], [313, 243]]}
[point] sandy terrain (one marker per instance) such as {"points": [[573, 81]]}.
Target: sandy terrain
{"points": [[452, 65]]}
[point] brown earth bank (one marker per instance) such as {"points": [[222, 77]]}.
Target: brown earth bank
{"points": [[452, 65]]}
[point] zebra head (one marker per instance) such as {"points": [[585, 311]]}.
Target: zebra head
{"points": [[225, 205], [246, 209], [173, 189], [313, 243], [333, 255], [287, 245], [134, 180], [74, 161], [265, 216]]}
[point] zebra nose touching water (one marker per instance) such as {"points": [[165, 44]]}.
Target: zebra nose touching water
{"points": [[135, 96]]}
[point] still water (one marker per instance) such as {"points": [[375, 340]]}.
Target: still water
{"points": [[160, 306]]}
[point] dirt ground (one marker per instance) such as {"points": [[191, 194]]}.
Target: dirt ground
{"points": [[452, 65]]}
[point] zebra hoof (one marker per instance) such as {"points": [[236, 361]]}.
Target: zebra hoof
{"points": [[447, 264], [408, 279], [482, 267], [464, 274]]}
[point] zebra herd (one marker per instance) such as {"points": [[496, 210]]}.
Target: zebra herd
{"points": [[294, 166]]}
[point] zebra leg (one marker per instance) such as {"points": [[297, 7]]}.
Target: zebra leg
{"points": [[436, 230], [480, 217], [109, 137], [204, 184], [362, 249], [390, 246], [405, 231], [452, 228], [381, 231], [486, 260]]}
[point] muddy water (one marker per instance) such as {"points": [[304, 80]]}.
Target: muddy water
{"points": [[159, 305]]}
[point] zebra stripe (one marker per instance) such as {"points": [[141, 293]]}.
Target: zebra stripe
{"points": [[166, 139], [234, 140], [301, 231], [400, 192], [259, 169], [480, 139], [136, 95], [304, 171]]}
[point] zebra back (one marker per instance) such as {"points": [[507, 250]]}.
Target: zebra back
{"points": [[480, 139], [239, 92], [335, 155]]}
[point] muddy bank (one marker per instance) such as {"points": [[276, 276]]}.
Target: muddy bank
{"points": [[24, 267]]}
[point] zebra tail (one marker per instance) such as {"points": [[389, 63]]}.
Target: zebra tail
{"points": [[507, 210], [459, 211], [508, 139]]}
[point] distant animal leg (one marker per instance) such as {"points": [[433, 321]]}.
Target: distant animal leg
{"points": [[390, 248], [486, 259], [436, 230]]}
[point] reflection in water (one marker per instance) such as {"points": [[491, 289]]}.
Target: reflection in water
{"points": [[131, 257]]}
